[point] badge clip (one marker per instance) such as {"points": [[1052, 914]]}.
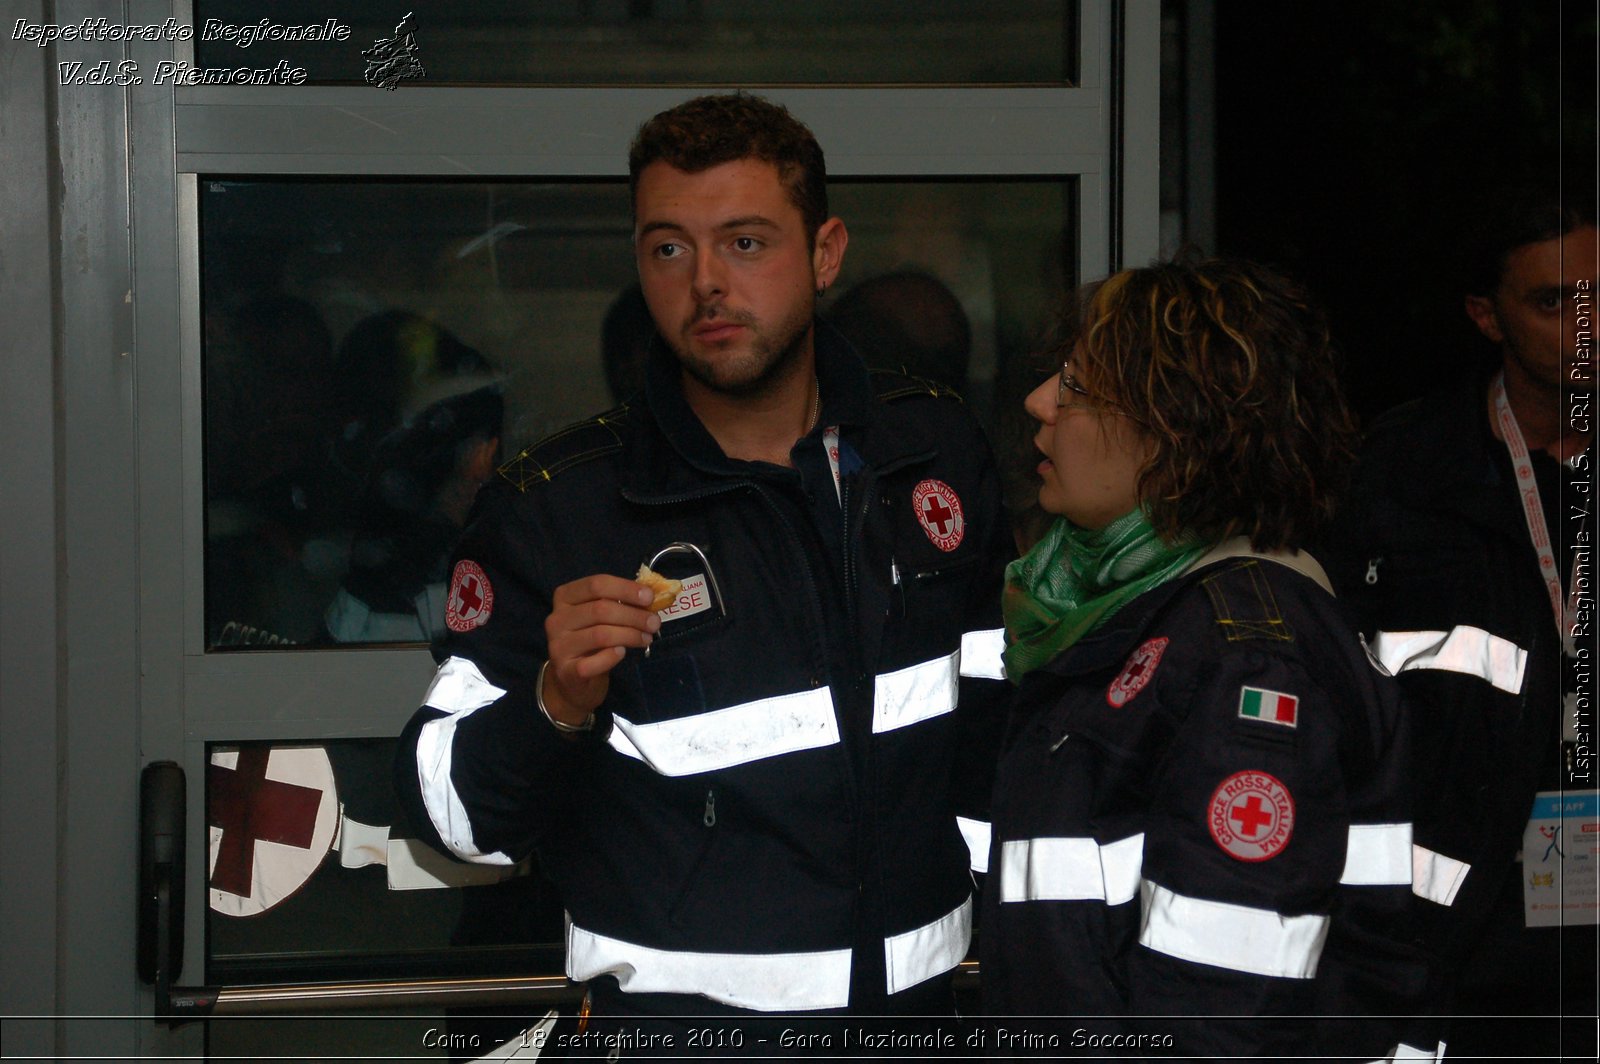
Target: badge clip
{"points": [[693, 551]]}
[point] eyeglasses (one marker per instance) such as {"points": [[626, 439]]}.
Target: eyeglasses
{"points": [[1067, 387]]}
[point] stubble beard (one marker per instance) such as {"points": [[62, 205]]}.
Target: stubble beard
{"points": [[768, 362]]}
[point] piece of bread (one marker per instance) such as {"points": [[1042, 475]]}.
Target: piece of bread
{"points": [[666, 590]]}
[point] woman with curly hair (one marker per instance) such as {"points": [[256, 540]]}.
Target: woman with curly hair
{"points": [[1201, 808]]}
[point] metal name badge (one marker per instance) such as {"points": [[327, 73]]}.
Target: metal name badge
{"points": [[700, 591]]}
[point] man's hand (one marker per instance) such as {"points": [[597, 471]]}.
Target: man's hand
{"points": [[592, 623]]}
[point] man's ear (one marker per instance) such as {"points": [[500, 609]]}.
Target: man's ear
{"points": [[1481, 310], [828, 254]]}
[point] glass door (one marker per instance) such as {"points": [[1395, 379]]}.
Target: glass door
{"points": [[405, 257]]}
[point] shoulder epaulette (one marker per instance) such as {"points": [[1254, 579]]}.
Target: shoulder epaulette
{"points": [[562, 450], [893, 386], [1243, 605]]}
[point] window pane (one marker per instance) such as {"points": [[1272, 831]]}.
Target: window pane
{"points": [[662, 42], [371, 349], [312, 875]]}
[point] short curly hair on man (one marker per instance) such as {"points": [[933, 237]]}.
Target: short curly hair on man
{"points": [[710, 130], [1231, 373]]}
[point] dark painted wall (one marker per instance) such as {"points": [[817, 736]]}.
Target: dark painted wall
{"points": [[1354, 139]]}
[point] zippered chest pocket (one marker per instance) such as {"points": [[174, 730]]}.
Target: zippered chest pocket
{"points": [[1103, 755], [932, 554]]}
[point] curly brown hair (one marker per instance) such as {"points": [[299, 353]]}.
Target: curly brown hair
{"points": [[1230, 371], [710, 130]]}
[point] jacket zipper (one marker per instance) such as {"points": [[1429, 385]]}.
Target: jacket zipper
{"points": [[696, 870], [867, 842]]}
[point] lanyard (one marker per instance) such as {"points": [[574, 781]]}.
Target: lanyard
{"points": [[830, 443], [1533, 513]]}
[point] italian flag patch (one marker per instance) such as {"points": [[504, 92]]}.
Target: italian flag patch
{"points": [[1274, 706]]}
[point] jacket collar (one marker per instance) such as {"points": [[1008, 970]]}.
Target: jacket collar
{"points": [[673, 454]]}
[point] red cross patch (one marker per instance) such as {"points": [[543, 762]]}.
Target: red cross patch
{"points": [[471, 598], [938, 510], [272, 813], [1251, 816], [1136, 673]]}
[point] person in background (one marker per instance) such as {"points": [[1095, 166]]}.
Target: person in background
{"points": [[1202, 808], [1463, 551], [626, 335], [748, 794], [421, 432], [271, 503], [908, 321]]}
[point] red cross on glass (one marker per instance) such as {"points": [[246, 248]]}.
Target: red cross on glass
{"points": [[250, 808]]}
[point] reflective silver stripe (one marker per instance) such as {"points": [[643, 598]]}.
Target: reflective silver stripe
{"points": [[1071, 869], [1404, 1052], [736, 735], [981, 654], [459, 689], [1435, 877], [1237, 937], [975, 833], [1378, 855], [930, 950], [527, 1044], [915, 693], [768, 982], [1462, 649], [414, 865]]}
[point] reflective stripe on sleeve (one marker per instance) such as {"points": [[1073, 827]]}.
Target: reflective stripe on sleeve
{"points": [[458, 687], [733, 736], [1071, 869], [915, 693], [460, 690], [933, 949], [767, 982], [1378, 855], [1463, 649], [1435, 877], [976, 834], [982, 654], [414, 865], [1237, 937]]}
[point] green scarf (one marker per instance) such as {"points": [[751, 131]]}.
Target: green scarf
{"points": [[1074, 579]]}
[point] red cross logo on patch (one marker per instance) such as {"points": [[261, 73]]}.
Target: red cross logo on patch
{"points": [[471, 598], [1251, 816], [1136, 673], [938, 510]]}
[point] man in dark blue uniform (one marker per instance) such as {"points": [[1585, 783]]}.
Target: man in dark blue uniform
{"points": [[1464, 552], [749, 794]]}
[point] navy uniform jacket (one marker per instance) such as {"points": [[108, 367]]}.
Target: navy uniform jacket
{"points": [[1203, 810], [1432, 554], [765, 816]]}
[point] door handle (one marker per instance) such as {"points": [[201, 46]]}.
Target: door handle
{"points": [[162, 794]]}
